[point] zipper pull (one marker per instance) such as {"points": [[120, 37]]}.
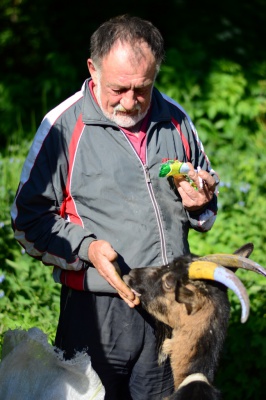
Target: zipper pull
{"points": [[147, 173]]}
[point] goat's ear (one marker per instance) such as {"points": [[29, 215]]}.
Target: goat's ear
{"points": [[185, 296], [245, 250]]}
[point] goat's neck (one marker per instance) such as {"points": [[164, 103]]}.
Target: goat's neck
{"points": [[182, 347]]}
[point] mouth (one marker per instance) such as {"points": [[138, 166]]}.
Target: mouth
{"points": [[135, 292], [126, 279], [127, 113], [119, 109]]}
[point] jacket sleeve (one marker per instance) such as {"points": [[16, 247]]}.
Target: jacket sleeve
{"points": [[203, 219], [37, 219]]}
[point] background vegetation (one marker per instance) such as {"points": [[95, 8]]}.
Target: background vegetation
{"points": [[215, 68]]}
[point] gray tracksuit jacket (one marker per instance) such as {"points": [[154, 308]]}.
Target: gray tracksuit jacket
{"points": [[83, 180]]}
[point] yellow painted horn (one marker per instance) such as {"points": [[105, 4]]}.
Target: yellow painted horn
{"points": [[235, 261], [209, 270]]}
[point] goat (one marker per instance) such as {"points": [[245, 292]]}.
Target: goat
{"points": [[190, 296]]}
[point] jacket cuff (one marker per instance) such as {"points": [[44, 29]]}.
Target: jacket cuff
{"points": [[202, 220], [83, 250], [96, 283]]}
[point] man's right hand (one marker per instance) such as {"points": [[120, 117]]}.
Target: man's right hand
{"points": [[103, 256]]}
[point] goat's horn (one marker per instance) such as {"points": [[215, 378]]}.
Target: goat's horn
{"points": [[235, 261], [210, 270]]}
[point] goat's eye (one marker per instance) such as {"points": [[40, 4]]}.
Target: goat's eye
{"points": [[169, 283]]}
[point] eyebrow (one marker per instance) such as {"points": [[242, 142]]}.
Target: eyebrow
{"points": [[119, 87]]}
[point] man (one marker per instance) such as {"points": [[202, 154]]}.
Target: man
{"points": [[91, 204]]}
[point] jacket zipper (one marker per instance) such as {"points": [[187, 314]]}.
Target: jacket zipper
{"points": [[153, 200], [157, 213]]}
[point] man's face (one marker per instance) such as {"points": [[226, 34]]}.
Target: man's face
{"points": [[124, 82]]}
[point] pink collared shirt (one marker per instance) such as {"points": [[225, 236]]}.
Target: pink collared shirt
{"points": [[138, 141]]}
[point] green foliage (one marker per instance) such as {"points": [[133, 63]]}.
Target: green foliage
{"points": [[243, 363], [227, 104], [216, 70], [31, 297], [240, 140]]}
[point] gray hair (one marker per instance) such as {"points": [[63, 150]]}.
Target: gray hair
{"points": [[126, 29]]}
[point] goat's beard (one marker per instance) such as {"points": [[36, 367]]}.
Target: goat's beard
{"points": [[126, 120]]}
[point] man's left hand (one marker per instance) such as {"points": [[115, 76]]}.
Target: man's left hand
{"points": [[194, 199]]}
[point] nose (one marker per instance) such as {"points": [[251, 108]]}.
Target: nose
{"points": [[129, 101]]}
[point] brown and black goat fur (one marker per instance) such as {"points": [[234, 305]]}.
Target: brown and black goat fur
{"points": [[198, 314]]}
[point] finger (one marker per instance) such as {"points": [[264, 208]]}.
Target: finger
{"points": [[195, 176], [111, 274], [187, 191], [203, 180], [207, 192], [192, 173], [207, 179], [102, 254], [188, 203], [130, 303], [194, 199]]}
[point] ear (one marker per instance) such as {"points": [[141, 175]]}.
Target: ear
{"points": [[185, 296], [92, 70], [245, 250]]}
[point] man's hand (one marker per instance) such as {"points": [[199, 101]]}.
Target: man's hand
{"points": [[193, 199], [103, 257]]}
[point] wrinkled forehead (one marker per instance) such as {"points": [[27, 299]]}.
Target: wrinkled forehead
{"points": [[133, 53]]}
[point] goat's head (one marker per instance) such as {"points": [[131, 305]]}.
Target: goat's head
{"points": [[165, 291], [180, 283]]}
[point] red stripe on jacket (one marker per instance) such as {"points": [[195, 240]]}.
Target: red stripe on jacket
{"points": [[183, 138], [68, 208], [73, 279]]}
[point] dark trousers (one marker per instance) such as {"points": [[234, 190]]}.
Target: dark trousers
{"points": [[120, 342]]}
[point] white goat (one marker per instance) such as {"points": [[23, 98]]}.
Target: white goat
{"points": [[32, 369]]}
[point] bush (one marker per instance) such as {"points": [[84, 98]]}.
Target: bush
{"points": [[28, 297], [228, 106]]}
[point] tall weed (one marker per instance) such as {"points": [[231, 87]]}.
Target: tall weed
{"points": [[28, 295]]}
